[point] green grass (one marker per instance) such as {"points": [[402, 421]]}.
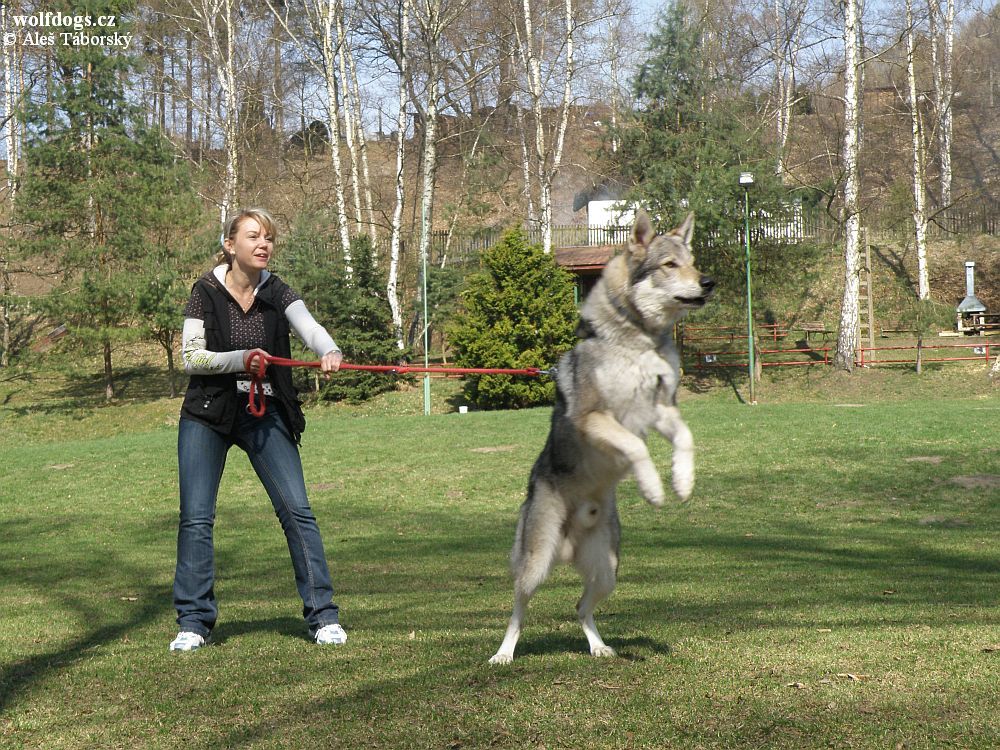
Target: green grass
{"points": [[833, 583]]}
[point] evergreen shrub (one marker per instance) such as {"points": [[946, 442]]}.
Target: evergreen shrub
{"points": [[518, 312], [353, 308]]}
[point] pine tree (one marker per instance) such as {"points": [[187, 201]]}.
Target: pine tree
{"points": [[354, 309], [519, 312], [686, 145], [101, 196]]}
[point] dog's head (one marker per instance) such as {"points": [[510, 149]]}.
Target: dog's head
{"points": [[663, 281]]}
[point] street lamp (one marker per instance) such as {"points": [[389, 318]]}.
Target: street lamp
{"points": [[746, 182]]}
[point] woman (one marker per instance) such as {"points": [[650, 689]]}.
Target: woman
{"points": [[235, 311]]}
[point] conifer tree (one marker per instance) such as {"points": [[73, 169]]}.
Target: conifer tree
{"points": [[686, 145], [519, 312], [354, 309], [101, 196]]}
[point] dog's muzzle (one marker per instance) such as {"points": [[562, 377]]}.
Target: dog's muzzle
{"points": [[707, 287]]}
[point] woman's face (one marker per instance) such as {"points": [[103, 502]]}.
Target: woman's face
{"points": [[252, 247]]}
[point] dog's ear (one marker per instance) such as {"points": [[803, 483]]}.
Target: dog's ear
{"points": [[686, 230], [643, 234]]}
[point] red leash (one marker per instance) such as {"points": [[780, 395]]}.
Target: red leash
{"points": [[257, 366]]}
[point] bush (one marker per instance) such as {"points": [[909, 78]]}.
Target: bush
{"points": [[519, 312], [353, 309]]}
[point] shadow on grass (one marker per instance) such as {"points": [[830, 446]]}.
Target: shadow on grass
{"points": [[20, 676], [85, 391], [291, 627], [631, 649]]}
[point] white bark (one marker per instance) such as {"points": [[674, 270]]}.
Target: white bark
{"points": [[323, 19], [942, 64], [214, 22], [392, 287], [547, 158], [432, 24], [919, 220], [350, 127], [366, 182], [847, 338], [11, 66], [788, 42], [328, 12]]}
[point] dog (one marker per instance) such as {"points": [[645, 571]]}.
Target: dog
{"points": [[618, 383]]}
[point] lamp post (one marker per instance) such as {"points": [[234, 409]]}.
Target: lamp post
{"points": [[746, 182]]}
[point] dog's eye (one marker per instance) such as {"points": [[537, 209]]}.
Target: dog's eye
{"points": [[670, 264]]}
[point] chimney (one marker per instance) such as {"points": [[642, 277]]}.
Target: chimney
{"points": [[971, 303]]}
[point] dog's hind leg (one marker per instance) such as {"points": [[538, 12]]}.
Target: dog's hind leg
{"points": [[536, 545], [596, 559]]}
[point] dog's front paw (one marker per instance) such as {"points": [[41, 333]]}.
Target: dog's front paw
{"points": [[683, 488], [657, 501], [650, 487], [603, 652], [683, 475], [501, 658]]}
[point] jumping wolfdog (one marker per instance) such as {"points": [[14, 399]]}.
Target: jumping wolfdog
{"points": [[616, 384]]}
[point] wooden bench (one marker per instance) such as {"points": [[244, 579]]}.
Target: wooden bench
{"points": [[899, 329], [814, 326]]}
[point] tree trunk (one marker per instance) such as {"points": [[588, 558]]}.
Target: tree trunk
{"points": [[11, 58], [109, 381], [847, 338], [919, 220], [788, 39], [171, 371], [366, 182], [333, 121], [547, 159], [351, 113], [392, 287], [947, 79]]}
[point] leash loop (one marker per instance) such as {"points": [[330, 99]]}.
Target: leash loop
{"points": [[257, 367]]}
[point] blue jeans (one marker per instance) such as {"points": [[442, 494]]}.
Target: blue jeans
{"points": [[201, 457]]}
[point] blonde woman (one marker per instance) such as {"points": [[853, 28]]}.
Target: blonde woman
{"points": [[237, 309]]}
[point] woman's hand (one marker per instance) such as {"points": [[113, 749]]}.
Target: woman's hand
{"points": [[331, 362], [255, 362]]}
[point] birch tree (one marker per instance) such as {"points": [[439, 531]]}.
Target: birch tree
{"points": [[323, 20], [788, 19], [11, 73], [392, 286], [214, 23], [919, 220], [362, 141], [546, 158], [847, 337], [942, 39], [431, 23]]}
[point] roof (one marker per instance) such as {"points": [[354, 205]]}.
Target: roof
{"points": [[586, 258]]}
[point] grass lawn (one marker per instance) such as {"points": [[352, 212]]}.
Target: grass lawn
{"points": [[832, 583]]}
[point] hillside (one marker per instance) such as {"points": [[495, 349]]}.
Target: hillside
{"points": [[812, 290]]}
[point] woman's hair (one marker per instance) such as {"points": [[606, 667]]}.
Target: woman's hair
{"points": [[259, 215]]}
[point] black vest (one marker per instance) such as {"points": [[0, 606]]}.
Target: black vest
{"points": [[212, 399]]}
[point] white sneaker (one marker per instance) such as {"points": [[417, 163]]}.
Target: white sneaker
{"points": [[331, 635], [187, 641]]}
